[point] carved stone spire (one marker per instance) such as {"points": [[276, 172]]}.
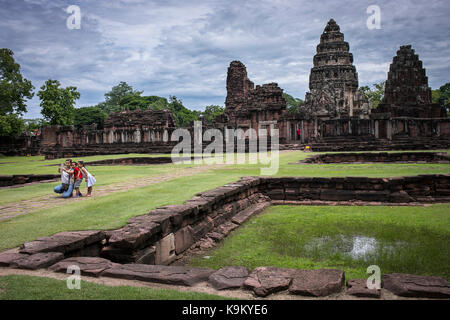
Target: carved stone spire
{"points": [[333, 80], [407, 93]]}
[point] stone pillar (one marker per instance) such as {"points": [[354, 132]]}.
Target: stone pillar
{"points": [[288, 130], [137, 135], [315, 128], [302, 128], [389, 129], [377, 133]]}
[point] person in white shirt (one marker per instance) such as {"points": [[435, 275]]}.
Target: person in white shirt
{"points": [[66, 186]]}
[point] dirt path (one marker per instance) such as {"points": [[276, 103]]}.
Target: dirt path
{"points": [[51, 200]]}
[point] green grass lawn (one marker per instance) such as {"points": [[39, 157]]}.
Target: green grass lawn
{"points": [[113, 211], [107, 212], [15, 287], [298, 237], [408, 239]]}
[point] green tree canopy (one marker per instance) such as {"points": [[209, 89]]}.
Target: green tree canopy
{"points": [[133, 102], [11, 125], [211, 112], [34, 124], [14, 89], [113, 97], [124, 97], [90, 115], [444, 96], [183, 116], [58, 104], [374, 95], [292, 104]]}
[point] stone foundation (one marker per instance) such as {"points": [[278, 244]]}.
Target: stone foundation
{"points": [[163, 234], [372, 157], [19, 179]]}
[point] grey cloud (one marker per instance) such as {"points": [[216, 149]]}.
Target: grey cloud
{"points": [[183, 48]]}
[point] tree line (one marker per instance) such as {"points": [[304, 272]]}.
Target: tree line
{"points": [[58, 103]]}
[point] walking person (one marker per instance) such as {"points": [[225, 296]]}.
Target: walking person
{"points": [[90, 179]]}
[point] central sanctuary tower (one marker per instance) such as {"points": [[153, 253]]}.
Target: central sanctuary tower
{"points": [[333, 81]]}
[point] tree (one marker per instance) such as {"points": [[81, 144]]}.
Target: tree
{"points": [[34, 124], [435, 95], [133, 102], [58, 104], [14, 89], [11, 125], [211, 112], [292, 104], [182, 115], [375, 95], [113, 97], [444, 96], [90, 115]]}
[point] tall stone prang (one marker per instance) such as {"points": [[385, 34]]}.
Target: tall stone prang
{"points": [[333, 81], [238, 87], [407, 93], [247, 106]]}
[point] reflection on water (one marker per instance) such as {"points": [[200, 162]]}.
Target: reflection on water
{"points": [[357, 247], [363, 246]]}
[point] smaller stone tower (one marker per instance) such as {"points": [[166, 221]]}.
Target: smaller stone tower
{"points": [[407, 93]]}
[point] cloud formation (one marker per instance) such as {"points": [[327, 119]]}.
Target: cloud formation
{"points": [[183, 48]]}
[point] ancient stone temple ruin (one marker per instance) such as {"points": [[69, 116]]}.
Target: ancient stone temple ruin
{"points": [[407, 93], [250, 107], [139, 131], [335, 116], [333, 80]]}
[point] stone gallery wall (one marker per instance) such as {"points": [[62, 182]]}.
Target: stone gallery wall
{"points": [[371, 134], [22, 145], [380, 127]]}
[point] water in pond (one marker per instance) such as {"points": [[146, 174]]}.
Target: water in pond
{"points": [[355, 247]]}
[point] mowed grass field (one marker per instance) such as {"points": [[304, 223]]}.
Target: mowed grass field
{"points": [[299, 237], [113, 210]]}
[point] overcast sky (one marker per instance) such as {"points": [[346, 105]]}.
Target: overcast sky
{"points": [[184, 47]]}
